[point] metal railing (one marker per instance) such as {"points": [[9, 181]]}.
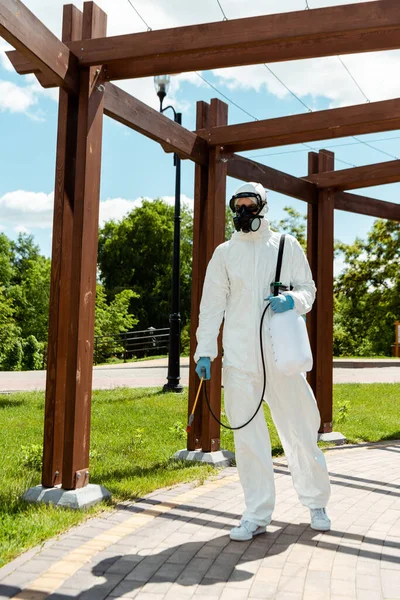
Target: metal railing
{"points": [[131, 344]]}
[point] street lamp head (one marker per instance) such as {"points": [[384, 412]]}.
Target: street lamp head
{"points": [[161, 84]]}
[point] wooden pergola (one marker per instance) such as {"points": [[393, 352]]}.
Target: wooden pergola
{"points": [[83, 65]]}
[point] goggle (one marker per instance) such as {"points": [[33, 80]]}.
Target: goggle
{"points": [[233, 200], [250, 207]]}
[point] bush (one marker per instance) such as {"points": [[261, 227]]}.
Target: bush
{"points": [[32, 456], [185, 339], [13, 357], [33, 354]]}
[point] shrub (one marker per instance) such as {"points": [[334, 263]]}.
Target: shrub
{"points": [[33, 354], [13, 356]]}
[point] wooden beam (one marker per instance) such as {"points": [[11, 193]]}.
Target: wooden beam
{"points": [[199, 265], [324, 300], [129, 111], [245, 169], [136, 115], [363, 205], [358, 177], [83, 263], [321, 125], [20, 28], [312, 256], [215, 220], [60, 279], [363, 27]]}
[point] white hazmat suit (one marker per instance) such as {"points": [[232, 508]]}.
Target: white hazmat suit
{"points": [[237, 281]]}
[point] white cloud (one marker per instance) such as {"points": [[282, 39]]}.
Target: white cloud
{"points": [[316, 78], [27, 209], [24, 210], [117, 208], [184, 200], [21, 229], [24, 98]]}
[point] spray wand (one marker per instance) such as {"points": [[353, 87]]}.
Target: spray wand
{"points": [[191, 417]]}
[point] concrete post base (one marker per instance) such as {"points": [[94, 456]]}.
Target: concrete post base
{"points": [[334, 436], [220, 458], [78, 499]]}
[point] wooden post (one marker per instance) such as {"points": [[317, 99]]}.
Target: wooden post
{"points": [[324, 301], [396, 339], [60, 268], [312, 256], [84, 259], [199, 264], [217, 172], [208, 232]]}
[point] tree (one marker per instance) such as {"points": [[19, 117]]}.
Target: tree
{"points": [[136, 254], [9, 331], [31, 294], [6, 261], [295, 224], [368, 292], [111, 319]]}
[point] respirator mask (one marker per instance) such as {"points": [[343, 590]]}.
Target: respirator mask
{"points": [[248, 218]]}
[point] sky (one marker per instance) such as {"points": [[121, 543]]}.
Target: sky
{"points": [[134, 167]]}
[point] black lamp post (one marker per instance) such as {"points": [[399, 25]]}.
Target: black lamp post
{"points": [[161, 83]]}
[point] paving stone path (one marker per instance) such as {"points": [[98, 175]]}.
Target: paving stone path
{"points": [[174, 544]]}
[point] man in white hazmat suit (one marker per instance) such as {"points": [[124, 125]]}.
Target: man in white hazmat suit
{"points": [[237, 288]]}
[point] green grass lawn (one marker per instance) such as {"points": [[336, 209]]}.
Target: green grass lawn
{"points": [[134, 434]]}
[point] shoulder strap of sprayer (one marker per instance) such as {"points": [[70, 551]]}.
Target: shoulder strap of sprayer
{"points": [[277, 283]]}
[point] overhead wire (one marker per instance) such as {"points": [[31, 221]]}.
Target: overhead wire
{"points": [[369, 145], [307, 146], [222, 10], [292, 93], [140, 16], [226, 97], [326, 147]]}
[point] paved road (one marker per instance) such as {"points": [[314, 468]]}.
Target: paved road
{"points": [[174, 544], [153, 373]]}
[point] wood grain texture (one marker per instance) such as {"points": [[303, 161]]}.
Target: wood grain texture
{"points": [[312, 256], [60, 278], [84, 261], [367, 26], [24, 31], [129, 111], [215, 219], [358, 177], [320, 125], [324, 316], [199, 264], [245, 169], [363, 205]]}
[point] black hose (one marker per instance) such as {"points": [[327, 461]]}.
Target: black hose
{"points": [[264, 385]]}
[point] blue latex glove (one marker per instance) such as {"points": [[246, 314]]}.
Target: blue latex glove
{"points": [[204, 363], [281, 303]]}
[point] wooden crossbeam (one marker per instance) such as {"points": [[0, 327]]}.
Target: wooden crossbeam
{"points": [[321, 125], [363, 205], [325, 124], [363, 27], [20, 28], [358, 177], [129, 111], [245, 169]]}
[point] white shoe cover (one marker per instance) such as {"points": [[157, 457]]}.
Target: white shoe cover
{"points": [[319, 519], [246, 531]]}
